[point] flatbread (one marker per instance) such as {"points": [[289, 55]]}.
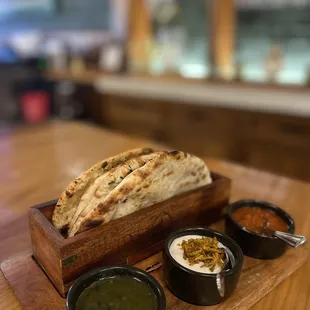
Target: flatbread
{"points": [[161, 178], [103, 185], [70, 198]]}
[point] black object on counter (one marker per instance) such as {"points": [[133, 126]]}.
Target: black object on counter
{"points": [[195, 287], [254, 244], [109, 272]]}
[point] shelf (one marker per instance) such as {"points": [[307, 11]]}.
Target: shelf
{"points": [[87, 77]]}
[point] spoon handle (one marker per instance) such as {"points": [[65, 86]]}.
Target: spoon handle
{"points": [[292, 240], [220, 279], [220, 284]]}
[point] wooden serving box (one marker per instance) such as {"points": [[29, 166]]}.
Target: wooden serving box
{"points": [[127, 240]]}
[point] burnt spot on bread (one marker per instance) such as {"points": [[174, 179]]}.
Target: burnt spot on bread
{"points": [[197, 180], [201, 168], [142, 174], [104, 165], [157, 164], [182, 185], [104, 208], [147, 151], [176, 154], [186, 184], [146, 185], [64, 230], [124, 190], [69, 194], [94, 223]]}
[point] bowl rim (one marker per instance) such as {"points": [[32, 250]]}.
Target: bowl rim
{"points": [[263, 204], [159, 292], [195, 230]]}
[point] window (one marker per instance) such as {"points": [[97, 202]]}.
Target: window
{"points": [[273, 41], [180, 31]]}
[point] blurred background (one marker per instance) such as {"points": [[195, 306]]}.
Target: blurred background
{"points": [[223, 78]]}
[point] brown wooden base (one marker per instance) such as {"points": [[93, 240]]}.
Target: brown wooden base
{"points": [[259, 277]]}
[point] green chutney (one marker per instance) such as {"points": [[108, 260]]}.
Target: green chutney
{"points": [[118, 293]]}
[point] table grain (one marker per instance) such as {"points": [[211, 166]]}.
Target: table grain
{"points": [[36, 164]]}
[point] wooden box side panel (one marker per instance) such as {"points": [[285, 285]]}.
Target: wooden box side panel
{"points": [[47, 209], [142, 233], [43, 246]]}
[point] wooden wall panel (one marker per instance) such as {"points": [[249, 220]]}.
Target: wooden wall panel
{"points": [[139, 35], [276, 143], [223, 19]]}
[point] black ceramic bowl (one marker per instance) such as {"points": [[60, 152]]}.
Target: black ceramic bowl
{"points": [[254, 244], [195, 287], [107, 272]]}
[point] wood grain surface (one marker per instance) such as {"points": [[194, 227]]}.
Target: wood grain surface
{"points": [[38, 162], [258, 277]]}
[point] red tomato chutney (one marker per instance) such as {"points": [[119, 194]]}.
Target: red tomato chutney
{"points": [[259, 220]]}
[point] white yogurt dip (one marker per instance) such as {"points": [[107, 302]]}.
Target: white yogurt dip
{"points": [[176, 252]]}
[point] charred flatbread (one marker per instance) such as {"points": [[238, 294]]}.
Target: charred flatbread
{"points": [[70, 198], [161, 178], [103, 185]]}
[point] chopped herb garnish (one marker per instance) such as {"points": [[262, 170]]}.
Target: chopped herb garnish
{"points": [[203, 250], [111, 182]]}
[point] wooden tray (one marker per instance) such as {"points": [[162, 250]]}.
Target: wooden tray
{"points": [[127, 240], [36, 292]]}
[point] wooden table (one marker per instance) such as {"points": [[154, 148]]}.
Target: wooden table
{"points": [[38, 162]]}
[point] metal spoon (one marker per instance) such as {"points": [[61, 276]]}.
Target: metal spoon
{"points": [[292, 240], [220, 280]]}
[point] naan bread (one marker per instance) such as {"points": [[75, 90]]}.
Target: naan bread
{"points": [[70, 198], [103, 185], [159, 179]]}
